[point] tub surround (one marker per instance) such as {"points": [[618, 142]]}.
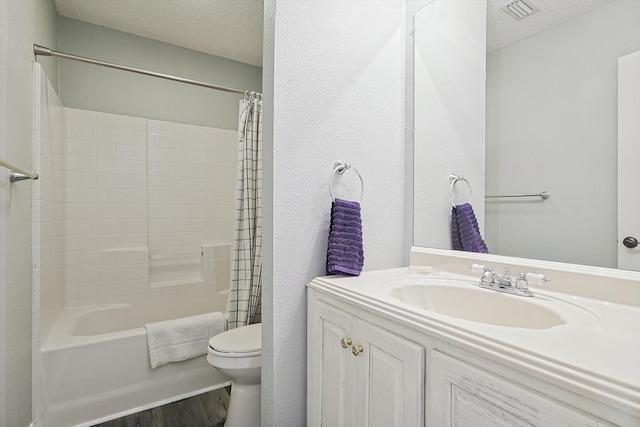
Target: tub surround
{"points": [[586, 365], [132, 224], [127, 208], [89, 374]]}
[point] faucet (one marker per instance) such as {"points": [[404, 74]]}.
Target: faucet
{"points": [[492, 280], [490, 277]]}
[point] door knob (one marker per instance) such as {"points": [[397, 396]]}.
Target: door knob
{"points": [[345, 342], [630, 242]]}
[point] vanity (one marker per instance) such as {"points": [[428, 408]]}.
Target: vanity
{"points": [[424, 345]]}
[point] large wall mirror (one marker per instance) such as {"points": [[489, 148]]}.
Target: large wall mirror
{"points": [[551, 125]]}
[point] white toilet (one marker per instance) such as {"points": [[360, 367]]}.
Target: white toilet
{"points": [[237, 353]]}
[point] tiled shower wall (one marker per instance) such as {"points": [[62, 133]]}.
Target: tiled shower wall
{"points": [[48, 207], [130, 209]]}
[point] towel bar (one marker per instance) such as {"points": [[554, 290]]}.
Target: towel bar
{"points": [[17, 173], [453, 178], [339, 168], [543, 195]]}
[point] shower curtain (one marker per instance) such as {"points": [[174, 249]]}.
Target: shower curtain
{"points": [[245, 292]]}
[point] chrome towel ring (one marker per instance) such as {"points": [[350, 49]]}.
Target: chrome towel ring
{"points": [[339, 168], [454, 179]]}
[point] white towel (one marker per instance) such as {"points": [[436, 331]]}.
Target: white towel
{"points": [[181, 339]]}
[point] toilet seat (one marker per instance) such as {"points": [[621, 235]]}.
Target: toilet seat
{"points": [[244, 341]]}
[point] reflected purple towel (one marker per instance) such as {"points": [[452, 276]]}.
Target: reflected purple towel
{"points": [[465, 233], [345, 254]]}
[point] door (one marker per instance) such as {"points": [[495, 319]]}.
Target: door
{"points": [[390, 379], [462, 395], [628, 155], [331, 370]]}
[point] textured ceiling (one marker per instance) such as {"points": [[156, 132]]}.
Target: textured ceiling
{"points": [[228, 28], [233, 28], [502, 29]]}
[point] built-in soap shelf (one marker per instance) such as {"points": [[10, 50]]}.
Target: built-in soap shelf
{"points": [[175, 269], [139, 268], [201, 266]]}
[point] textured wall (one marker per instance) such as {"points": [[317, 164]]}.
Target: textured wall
{"points": [[90, 87], [338, 93], [22, 23]]}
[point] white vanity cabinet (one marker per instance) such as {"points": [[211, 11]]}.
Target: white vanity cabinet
{"points": [[360, 374], [461, 394], [372, 362]]}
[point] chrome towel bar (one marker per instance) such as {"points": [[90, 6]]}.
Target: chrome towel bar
{"points": [[453, 180], [339, 168], [17, 173], [543, 195]]}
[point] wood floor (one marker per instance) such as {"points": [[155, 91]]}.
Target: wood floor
{"points": [[204, 410]]}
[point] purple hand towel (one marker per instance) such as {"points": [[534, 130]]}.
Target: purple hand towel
{"points": [[465, 232], [345, 254]]}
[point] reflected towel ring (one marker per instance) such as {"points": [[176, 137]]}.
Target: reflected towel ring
{"points": [[339, 168], [455, 178]]}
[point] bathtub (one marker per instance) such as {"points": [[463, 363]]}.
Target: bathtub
{"points": [[94, 367]]}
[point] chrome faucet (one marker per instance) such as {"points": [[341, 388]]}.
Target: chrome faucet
{"points": [[490, 277], [491, 280]]}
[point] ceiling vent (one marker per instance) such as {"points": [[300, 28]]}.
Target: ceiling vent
{"points": [[519, 9]]}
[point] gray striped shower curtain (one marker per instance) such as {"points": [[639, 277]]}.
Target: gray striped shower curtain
{"points": [[245, 293]]}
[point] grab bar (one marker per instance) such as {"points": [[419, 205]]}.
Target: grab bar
{"points": [[16, 173], [543, 195]]}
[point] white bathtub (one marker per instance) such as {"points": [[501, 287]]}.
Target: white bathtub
{"points": [[94, 367]]}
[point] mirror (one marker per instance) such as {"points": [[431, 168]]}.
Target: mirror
{"points": [[551, 125]]}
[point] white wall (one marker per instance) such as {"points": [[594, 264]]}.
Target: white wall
{"points": [[22, 23], [552, 125], [449, 123], [95, 88], [334, 80]]}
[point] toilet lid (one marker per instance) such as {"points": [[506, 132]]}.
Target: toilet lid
{"points": [[245, 339]]}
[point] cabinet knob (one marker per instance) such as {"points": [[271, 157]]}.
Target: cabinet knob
{"points": [[357, 349], [345, 342]]}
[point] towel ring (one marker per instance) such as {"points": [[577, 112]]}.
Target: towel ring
{"points": [[455, 178], [339, 168]]}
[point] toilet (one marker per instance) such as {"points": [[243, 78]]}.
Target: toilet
{"points": [[237, 353]]}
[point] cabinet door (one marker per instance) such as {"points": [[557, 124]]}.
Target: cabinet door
{"points": [[390, 379], [331, 370], [460, 395]]}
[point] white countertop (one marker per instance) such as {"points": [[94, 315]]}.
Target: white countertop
{"points": [[596, 353]]}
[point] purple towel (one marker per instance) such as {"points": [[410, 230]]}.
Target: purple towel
{"points": [[344, 253], [465, 233]]}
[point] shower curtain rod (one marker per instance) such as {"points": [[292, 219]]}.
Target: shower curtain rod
{"points": [[45, 51]]}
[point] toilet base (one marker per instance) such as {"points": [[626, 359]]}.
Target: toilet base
{"points": [[244, 405]]}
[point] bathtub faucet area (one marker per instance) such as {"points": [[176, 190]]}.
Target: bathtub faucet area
{"points": [[491, 280]]}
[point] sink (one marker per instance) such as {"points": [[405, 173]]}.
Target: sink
{"points": [[465, 300]]}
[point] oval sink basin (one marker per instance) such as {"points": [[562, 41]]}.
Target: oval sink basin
{"points": [[468, 302]]}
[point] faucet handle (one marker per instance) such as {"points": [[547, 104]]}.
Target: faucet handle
{"points": [[523, 279], [487, 273], [538, 279], [479, 268]]}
